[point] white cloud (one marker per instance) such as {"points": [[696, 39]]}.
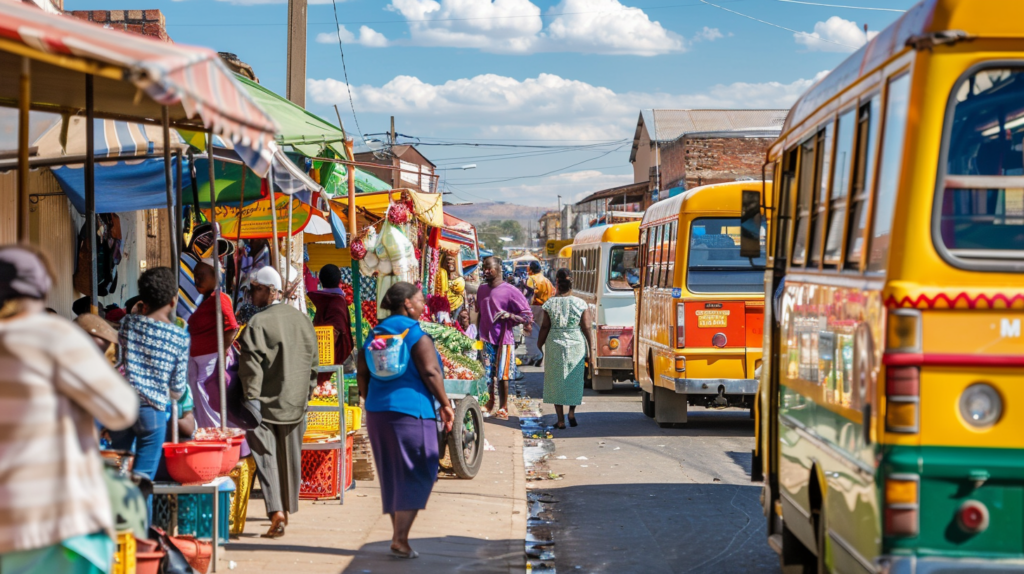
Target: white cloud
{"points": [[835, 35], [544, 107], [708, 34], [516, 26], [608, 27], [572, 186], [367, 37]]}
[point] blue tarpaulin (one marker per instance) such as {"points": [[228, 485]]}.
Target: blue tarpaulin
{"points": [[124, 186]]}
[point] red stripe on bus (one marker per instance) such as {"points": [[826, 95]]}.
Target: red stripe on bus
{"points": [[952, 360]]}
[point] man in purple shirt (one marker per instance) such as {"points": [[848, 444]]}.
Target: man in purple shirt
{"points": [[500, 307]]}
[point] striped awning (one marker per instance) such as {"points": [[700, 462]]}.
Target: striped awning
{"points": [[192, 82], [111, 139]]}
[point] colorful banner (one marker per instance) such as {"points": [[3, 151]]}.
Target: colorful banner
{"points": [[256, 221]]}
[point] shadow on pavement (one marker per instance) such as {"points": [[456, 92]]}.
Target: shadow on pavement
{"points": [[661, 528], [601, 424], [441, 555]]}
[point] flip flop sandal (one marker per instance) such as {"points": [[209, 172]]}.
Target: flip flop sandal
{"points": [[502, 414], [275, 531], [572, 422], [404, 555]]}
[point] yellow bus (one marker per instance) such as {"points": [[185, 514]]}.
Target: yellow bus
{"points": [[603, 260], [701, 305], [891, 439]]}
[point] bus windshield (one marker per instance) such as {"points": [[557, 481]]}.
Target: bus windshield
{"points": [[714, 262], [622, 268], [983, 217]]}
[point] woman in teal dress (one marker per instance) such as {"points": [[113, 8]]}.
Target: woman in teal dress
{"points": [[565, 338]]}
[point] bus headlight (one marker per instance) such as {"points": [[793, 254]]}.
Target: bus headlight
{"points": [[980, 405]]}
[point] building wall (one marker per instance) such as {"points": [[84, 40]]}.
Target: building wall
{"points": [[644, 158], [145, 22], [691, 162]]}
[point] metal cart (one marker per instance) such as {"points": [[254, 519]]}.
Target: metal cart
{"points": [[465, 443]]}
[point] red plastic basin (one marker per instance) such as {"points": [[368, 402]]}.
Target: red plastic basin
{"points": [[195, 462], [234, 436]]}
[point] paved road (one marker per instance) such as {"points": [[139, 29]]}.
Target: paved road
{"points": [[654, 500]]}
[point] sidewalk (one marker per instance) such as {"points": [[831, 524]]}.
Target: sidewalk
{"points": [[469, 525]]}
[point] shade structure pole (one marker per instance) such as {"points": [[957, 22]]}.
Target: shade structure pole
{"points": [[90, 192], [285, 277], [357, 295], [218, 305], [169, 186], [24, 104], [238, 242], [179, 222], [276, 264]]}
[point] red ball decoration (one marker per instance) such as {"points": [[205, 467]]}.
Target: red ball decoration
{"points": [[358, 250], [398, 214]]}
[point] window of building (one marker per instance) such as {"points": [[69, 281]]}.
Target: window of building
{"points": [[897, 103], [863, 174], [845, 132]]}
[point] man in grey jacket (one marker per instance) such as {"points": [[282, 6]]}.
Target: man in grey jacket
{"points": [[278, 368]]}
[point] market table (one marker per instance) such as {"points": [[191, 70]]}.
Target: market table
{"points": [[212, 488]]}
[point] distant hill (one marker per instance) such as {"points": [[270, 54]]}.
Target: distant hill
{"points": [[478, 213]]}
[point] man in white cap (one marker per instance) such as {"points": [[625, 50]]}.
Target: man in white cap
{"points": [[264, 290], [278, 368]]}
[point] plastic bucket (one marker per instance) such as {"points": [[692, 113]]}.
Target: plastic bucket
{"points": [[195, 462]]}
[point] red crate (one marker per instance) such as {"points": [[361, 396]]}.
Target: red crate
{"points": [[320, 472]]}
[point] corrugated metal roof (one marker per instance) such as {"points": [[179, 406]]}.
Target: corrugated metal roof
{"points": [[672, 124]]}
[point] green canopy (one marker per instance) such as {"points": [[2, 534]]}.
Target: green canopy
{"points": [[306, 132]]}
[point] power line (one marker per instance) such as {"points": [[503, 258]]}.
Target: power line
{"points": [[344, 68], [840, 6], [781, 27]]}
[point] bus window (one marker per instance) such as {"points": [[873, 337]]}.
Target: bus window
{"points": [[804, 200], [622, 267], [715, 265], [824, 157], [786, 193], [652, 255], [864, 170], [986, 139], [840, 182], [671, 266], [893, 135]]}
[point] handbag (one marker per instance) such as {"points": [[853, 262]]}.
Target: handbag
{"points": [[387, 356], [174, 561]]}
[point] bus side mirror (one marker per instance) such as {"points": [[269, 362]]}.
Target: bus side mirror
{"points": [[750, 225]]}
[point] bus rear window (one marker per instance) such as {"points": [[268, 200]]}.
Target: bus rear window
{"points": [[622, 268], [981, 199], [714, 264]]}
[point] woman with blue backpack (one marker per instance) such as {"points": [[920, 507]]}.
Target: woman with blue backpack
{"points": [[401, 378]]}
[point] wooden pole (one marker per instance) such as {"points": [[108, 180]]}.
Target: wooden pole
{"points": [[285, 277], [90, 193], [357, 296], [24, 104], [221, 382], [169, 187], [276, 264]]}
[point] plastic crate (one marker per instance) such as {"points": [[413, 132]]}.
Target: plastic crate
{"points": [[192, 514], [327, 421], [124, 557], [321, 472], [325, 343]]}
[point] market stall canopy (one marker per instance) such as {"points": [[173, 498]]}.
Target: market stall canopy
{"points": [[193, 83], [427, 207], [308, 133], [289, 178], [457, 233], [254, 221], [132, 180]]}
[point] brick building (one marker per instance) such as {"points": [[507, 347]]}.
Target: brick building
{"points": [[676, 149], [145, 22], [414, 171]]}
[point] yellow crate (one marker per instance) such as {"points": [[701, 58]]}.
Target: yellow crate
{"points": [[319, 421], [325, 342], [124, 557]]}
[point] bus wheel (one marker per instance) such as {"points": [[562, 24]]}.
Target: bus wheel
{"points": [[647, 404]]}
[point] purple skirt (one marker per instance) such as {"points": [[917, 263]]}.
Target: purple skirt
{"points": [[405, 450]]}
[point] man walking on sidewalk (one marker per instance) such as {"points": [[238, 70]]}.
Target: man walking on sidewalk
{"points": [[501, 307], [278, 365], [538, 291]]}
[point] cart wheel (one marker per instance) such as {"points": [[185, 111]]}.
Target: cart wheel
{"points": [[466, 441]]}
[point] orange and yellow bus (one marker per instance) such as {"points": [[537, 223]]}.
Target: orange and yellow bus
{"points": [[700, 305]]}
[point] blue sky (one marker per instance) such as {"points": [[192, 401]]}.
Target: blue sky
{"points": [[532, 72]]}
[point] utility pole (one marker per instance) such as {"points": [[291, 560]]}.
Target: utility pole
{"points": [[558, 230], [396, 176], [295, 90]]}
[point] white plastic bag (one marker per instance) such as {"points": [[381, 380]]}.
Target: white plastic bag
{"points": [[368, 266], [396, 243], [370, 240], [384, 267]]}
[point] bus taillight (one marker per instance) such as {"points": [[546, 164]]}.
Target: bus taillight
{"points": [[902, 398], [902, 505], [680, 325]]}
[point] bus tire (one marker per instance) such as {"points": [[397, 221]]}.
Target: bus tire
{"points": [[647, 404], [602, 383]]}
